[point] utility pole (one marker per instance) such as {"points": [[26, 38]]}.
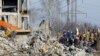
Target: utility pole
{"points": [[71, 12], [68, 9], [75, 13]]}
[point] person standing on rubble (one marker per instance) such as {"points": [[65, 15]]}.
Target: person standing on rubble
{"points": [[71, 41], [76, 41], [66, 39], [90, 42], [94, 44], [63, 40], [70, 38], [87, 35], [81, 41]]}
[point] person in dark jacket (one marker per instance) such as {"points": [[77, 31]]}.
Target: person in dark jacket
{"points": [[76, 41], [94, 44], [71, 41]]}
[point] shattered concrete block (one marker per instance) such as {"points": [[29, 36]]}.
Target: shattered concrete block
{"points": [[41, 46]]}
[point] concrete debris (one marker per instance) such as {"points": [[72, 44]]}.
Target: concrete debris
{"points": [[37, 44]]}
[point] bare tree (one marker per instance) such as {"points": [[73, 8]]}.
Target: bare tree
{"points": [[52, 9]]}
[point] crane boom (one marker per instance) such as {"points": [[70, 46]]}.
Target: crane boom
{"points": [[8, 26]]}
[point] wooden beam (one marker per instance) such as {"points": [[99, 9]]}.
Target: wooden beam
{"points": [[23, 30], [25, 15]]}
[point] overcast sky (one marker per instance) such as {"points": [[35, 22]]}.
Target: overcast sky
{"points": [[90, 7]]}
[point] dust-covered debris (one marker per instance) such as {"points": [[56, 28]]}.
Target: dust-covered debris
{"points": [[37, 44]]}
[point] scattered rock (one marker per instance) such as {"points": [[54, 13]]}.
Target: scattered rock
{"points": [[37, 44]]}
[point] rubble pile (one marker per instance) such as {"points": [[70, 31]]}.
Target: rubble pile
{"points": [[37, 44]]}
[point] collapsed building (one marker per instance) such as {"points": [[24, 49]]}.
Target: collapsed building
{"points": [[16, 13]]}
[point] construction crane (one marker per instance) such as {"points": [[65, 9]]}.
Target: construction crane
{"points": [[8, 26]]}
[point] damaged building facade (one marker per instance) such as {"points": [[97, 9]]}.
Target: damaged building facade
{"points": [[16, 13]]}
